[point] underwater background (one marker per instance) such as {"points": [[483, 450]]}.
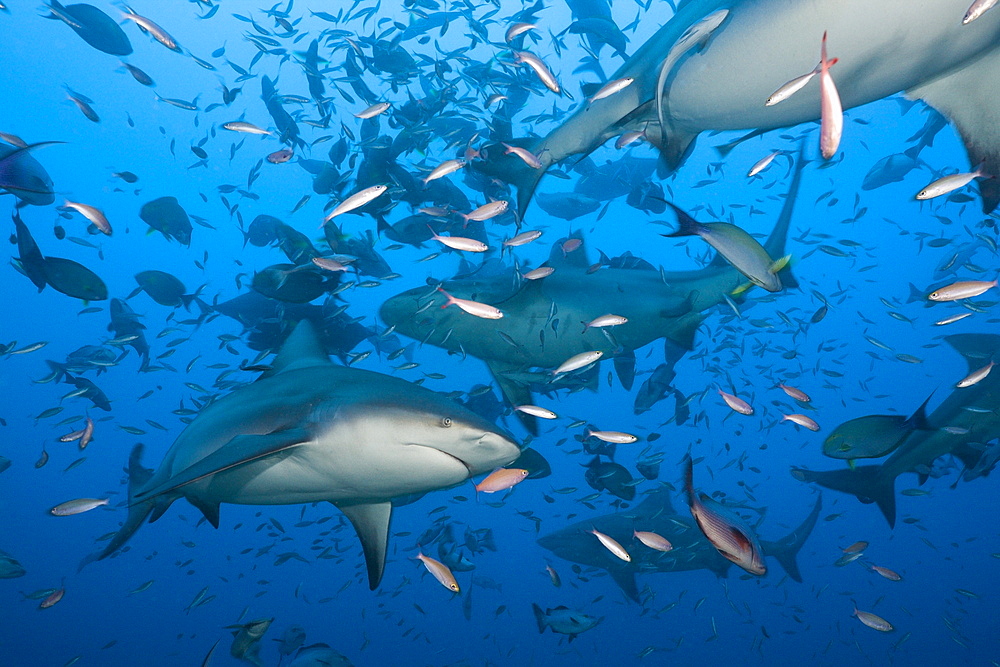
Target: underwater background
{"points": [[849, 335]]}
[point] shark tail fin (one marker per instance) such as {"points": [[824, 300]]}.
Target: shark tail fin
{"points": [[539, 617], [513, 170], [864, 482], [138, 512], [787, 548], [964, 97]]}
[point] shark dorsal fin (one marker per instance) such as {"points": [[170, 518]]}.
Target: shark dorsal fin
{"points": [[302, 349]]}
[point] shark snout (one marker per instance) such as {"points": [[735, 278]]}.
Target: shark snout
{"points": [[491, 451]]}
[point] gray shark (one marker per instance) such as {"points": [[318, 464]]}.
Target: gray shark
{"points": [[658, 304], [309, 431], [691, 551], [972, 415], [720, 78]]}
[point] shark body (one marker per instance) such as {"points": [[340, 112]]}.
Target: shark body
{"points": [[686, 82], [310, 431]]}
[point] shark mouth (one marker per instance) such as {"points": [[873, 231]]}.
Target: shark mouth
{"points": [[444, 453]]}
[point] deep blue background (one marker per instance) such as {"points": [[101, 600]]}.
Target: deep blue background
{"points": [[953, 545]]}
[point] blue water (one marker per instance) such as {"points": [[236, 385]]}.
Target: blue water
{"points": [[411, 619]]}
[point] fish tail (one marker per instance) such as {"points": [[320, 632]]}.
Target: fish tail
{"points": [[864, 482], [138, 512], [686, 225], [539, 617], [787, 548]]}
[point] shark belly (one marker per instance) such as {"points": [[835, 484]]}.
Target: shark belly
{"points": [[883, 48]]}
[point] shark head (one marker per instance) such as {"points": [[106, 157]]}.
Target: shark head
{"points": [[424, 443]]}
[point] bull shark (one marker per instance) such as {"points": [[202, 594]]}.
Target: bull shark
{"points": [[706, 69], [691, 551], [309, 431], [671, 306], [972, 415]]}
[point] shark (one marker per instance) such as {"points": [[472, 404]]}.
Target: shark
{"points": [[540, 327], [691, 551], [968, 415], [715, 62], [308, 431]]}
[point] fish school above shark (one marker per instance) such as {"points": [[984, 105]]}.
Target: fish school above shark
{"points": [[410, 136]]}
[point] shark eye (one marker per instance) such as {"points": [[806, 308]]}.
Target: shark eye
{"points": [[446, 422]]}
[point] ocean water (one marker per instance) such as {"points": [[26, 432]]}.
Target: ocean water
{"points": [[855, 253]]}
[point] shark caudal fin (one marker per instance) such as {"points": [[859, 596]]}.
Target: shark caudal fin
{"points": [[787, 548], [138, 512], [967, 97], [513, 170], [864, 482]]}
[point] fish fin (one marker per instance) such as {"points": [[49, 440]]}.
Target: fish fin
{"points": [[539, 617], [686, 225], [775, 243], [863, 482], [675, 146], [916, 294], [209, 510], [24, 149], [978, 349], [966, 98], [683, 332], [969, 456], [138, 512], [725, 149], [514, 393], [239, 451], [787, 548], [371, 522], [625, 578], [741, 538], [302, 349], [513, 170], [918, 420], [590, 89], [625, 368]]}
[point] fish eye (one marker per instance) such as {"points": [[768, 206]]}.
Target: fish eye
{"points": [[446, 422]]}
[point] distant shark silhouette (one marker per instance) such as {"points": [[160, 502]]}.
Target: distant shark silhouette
{"points": [[876, 483], [691, 551], [541, 323], [705, 69], [309, 431]]}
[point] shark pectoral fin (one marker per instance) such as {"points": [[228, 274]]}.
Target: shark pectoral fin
{"points": [[138, 512], [625, 578], [625, 368], [968, 98], [209, 509], [682, 333], [515, 393], [240, 450], [978, 349], [371, 523], [302, 349]]}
